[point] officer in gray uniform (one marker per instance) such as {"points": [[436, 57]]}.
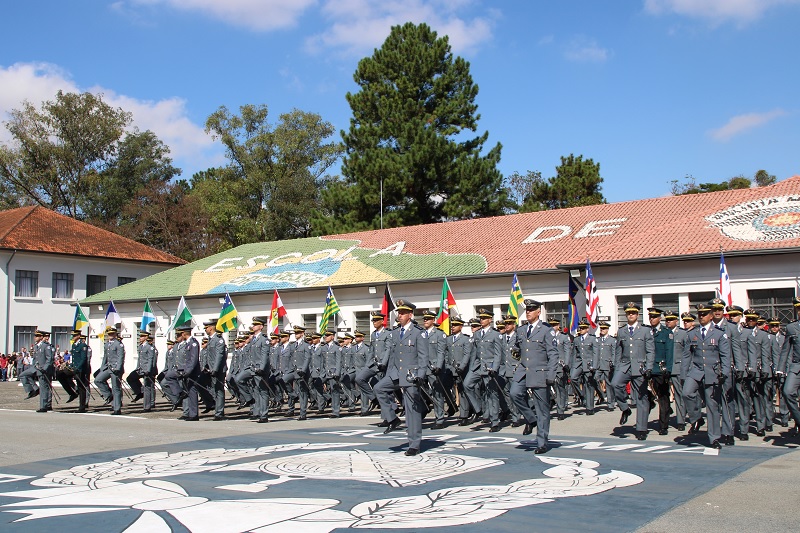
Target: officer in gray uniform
{"points": [[297, 371], [680, 350], [145, 371], [245, 379], [729, 393], [706, 369], [538, 353], [473, 381], [458, 356], [181, 383], [112, 368], [777, 339], [217, 361], [635, 356], [437, 340], [662, 366], [79, 359], [488, 348], [368, 375], [759, 355], [563, 344], [42, 369], [583, 365], [236, 361], [316, 372], [260, 348], [331, 370], [604, 351], [347, 384], [789, 367], [406, 363], [359, 353], [509, 367]]}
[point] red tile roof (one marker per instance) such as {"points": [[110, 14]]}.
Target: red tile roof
{"points": [[37, 229], [753, 219]]}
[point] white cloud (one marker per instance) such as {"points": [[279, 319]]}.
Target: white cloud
{"points": [[716, 11], [38, 82], [259, 15], [587, 50], [358, 26], [742, 123]]}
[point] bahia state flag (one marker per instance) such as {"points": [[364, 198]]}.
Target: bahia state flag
{"points": [[228, 316]]}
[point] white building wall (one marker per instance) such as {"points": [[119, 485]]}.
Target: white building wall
{"points": [[45, 312], [613, 282]]}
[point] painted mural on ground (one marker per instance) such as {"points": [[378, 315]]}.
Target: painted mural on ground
{"points": [[145, 494]]}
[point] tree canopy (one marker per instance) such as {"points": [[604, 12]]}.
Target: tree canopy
{"points": [[411, 135], [577, 183], [761, 179]]}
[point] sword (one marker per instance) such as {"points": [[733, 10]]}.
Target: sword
{"points": [[49, 384], [451, 405], [411, 378]]}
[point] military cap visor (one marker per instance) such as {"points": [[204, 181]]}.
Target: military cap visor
{"points": [[456, 322], [299, 329], [604, 325], [144, 334], [654, 311], [316, 335], [774, 322], [377, 316], [531, 305], [184, 328], [170, 343], [274, 336], [752, 314], [796, 301], [108, 330], [76, 332], [671, 315], [554, 321], [484, 313], [284, 334], [404, 305], [716, 303], [632, 307], [210, 322], [357, 333]]}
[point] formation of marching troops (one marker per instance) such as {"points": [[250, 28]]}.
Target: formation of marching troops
{"points": [[725, 361]]}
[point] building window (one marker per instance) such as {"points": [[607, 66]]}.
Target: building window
{"points": [[621, 301], [697, 298], [773, 302], [23, 337], [665, 302], [60, 338], [95, 284], [62, 285], [310, 322], [124, 281], [362, 321], [558, 311], [26, 284]]}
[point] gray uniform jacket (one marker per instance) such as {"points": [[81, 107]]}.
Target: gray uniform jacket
{"points": [[409, 353], [508, 365], [759, 351], [146, 363], [301, 356], [564, 345], [583, 352], [359, 352], [488, 348], [635, 350], [738, 357], [459, 351], [44, 357], [538, 351], [437, 340], [188, 357], [331, 360], [790, 353], [259, 349], [776, 343], [115, 356], [604, 350], [709, 357], [217, 355], [377, 348], [680, 351]]}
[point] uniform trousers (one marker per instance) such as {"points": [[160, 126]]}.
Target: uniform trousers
{"points": [[540, 413], [412, 402], [115, 392], [639, 393], [712, 394]]}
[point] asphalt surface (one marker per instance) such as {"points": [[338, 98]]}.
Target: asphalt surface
{"points": [[323, 474]]}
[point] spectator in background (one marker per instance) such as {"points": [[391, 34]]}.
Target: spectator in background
{"points": [[12, 367], [3, 367]]}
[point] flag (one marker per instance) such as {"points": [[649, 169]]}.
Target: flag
{"points": [[228, 316], [80, 320], [182, 315], [331, 308], [724, 281], [592, 299], [112, 317], [515, 300], [572, 320], [387, 306], [446, 303], [276, 313], [147, 316]]}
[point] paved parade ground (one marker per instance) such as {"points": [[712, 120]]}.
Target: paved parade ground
{"points": [[95, 472]]}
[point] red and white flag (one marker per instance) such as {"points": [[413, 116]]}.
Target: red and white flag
{"points": [[724, 282], [592, 299], [278, 311]]}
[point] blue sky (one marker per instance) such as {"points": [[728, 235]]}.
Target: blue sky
{"points": [[653, 90]]}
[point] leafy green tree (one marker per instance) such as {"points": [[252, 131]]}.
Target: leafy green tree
{"points": [[577, 183], [764, 178], [692, 187], [410, 135], [58, 148], [273, 175]]}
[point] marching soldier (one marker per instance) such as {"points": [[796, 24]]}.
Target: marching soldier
{"points": [[145, 370], [680, 350], [789, 366], [112, 368], [488, 348], [706, 370], [605, 349], [438, 380], [473, 381], [635, 355], [777, 338], [729, 393], [65, 372], [759, 355], [43, 369], [458, 355], [664, 345], [79, 359], [317, 370], [406, 362], [368, 375], [538, 357], [331, 355], [259, 348], [181, 383], [297, 371], [564, 347], [345, 382], [509, 367], [217, 364], [582, 365], [356, 360]]}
